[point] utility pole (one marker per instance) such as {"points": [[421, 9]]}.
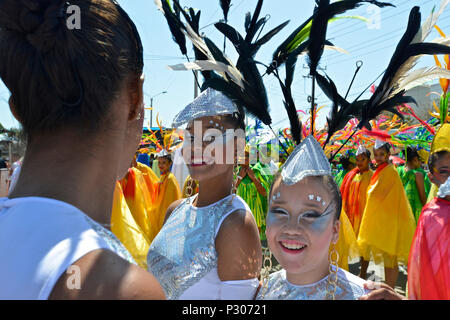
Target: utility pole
{"points": [[151, 113], [151, 107], [195, 84]]}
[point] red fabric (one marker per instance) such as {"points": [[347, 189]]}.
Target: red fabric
{"points": [[374, 178], [429, 259], [346, 201], [129, 184]]}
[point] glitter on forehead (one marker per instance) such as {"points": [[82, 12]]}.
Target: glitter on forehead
{"points": [[209, 103]]}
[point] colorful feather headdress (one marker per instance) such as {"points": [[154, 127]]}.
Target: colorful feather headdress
{"points": [[397, 78], [241, 82]]}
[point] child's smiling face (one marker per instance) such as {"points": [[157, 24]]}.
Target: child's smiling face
{"points": [[301, 225], [381, 155]]}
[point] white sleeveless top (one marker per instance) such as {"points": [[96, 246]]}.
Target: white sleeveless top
{"points": [[40, 239], [183, 256]]}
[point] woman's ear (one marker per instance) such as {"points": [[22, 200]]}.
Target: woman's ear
{"points": [[336, 228], [136, 93]]}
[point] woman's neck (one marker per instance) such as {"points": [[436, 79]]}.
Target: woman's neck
{"points": [[309, 277], [53, 169], [212, 190]]}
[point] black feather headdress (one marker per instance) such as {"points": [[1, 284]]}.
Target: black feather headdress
{"points": [[323, 12], [173, 21], [241, 82], [225, 5], [397, 77], [389, 92]]}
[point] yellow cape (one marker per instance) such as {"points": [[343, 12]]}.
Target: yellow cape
{"points": [[167, 192], [127, 230], [346, 245], [388, 224]]}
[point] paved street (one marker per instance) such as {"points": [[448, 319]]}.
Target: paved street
{"points": [[376, 273]]}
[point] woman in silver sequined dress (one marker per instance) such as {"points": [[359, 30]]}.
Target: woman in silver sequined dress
{"points": [[209, 245]]}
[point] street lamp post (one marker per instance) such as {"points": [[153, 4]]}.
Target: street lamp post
{"points": [[151, 107]]}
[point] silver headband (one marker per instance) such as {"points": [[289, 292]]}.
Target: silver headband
{"points": [[163, 153], [361, 149], [209, 103], [379, 143], [306, 160]]}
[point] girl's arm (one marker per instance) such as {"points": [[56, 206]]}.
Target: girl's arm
{"points": [[420, 183], [239, 247], [241, 175], [257, 183], [105, 275]]}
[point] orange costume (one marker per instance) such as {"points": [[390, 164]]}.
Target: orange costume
{"points": [[167, 191], [129, 219], [354, 194], [141, 200]]}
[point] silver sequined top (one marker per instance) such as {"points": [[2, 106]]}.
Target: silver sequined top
{"points": [[349, 287], [184, 250]]}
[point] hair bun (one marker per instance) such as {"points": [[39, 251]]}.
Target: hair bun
{"points": [[38, 20]]}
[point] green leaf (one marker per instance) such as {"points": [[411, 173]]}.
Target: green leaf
{"points": [[303, 34], [444, 107]]}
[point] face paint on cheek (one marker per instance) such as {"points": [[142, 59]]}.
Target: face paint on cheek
{"points": [[271, 219], [320, 224]]}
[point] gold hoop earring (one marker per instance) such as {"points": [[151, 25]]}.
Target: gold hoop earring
{"points": [[333, 273], [265, 273], [189, 191]]}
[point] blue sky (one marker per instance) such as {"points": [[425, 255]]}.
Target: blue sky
{"points": [[373, 46]]}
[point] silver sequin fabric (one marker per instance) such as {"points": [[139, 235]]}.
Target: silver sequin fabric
{"points": [[184, 250], [209, 103], [307, 159], [444, 189], [111, 240], [280, 289]]}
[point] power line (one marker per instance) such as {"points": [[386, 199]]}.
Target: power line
{"points": [[355, 23], [384, 19]]}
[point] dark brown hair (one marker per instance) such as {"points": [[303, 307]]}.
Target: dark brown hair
{"points": [[435, 157], [65, 77]]}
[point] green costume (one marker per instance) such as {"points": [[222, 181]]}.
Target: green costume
{"points": [[256, 201], [409, 183], [340, 177]]}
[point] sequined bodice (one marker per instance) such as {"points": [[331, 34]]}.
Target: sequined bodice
{"points": [[111, 240], [280, 289], [184, 250]]}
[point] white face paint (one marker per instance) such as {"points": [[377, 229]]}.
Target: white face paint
{"points": [[310, 220]]}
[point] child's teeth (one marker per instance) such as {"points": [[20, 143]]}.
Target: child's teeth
{"points": [[293, 246]]}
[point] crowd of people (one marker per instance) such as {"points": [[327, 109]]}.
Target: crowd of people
{"points": [[199, 218]]}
